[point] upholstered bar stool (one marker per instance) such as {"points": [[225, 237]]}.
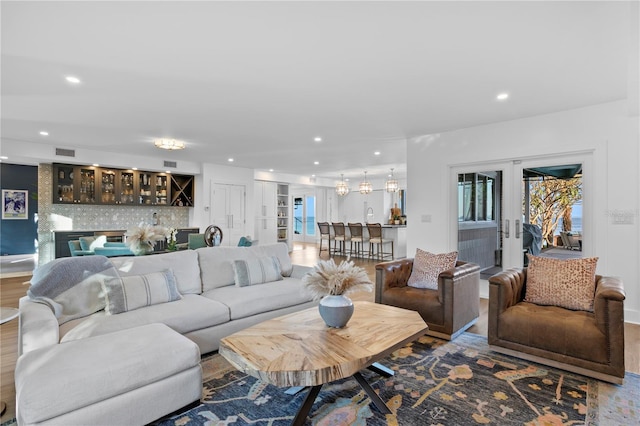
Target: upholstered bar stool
{"points": [[377, 242], [325, 235], [357, 238], [339, 237]]}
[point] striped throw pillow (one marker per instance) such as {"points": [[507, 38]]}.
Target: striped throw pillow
{"points": [[125, 294], [258, 270]]}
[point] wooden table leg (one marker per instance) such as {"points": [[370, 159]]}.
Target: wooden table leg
{"points": [[303, 412]]}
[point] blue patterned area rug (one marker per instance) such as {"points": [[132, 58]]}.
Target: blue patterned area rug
{"points": [[435, 383]]}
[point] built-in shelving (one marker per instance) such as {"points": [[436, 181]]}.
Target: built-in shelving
{"points": [[283, 213], [74, 184]]}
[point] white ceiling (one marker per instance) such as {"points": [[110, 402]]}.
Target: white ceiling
{"points": [[257, 81]]}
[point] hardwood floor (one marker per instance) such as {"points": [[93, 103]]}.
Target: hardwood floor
{"points": [[14, 286]]}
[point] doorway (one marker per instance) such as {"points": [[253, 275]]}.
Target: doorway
{"points": [[304, 218], [507, 210]]}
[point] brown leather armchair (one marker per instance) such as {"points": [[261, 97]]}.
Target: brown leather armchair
{"points": [[587, 343], [448, 311]]}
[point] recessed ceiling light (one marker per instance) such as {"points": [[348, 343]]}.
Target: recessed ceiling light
{"points": [[168, 171], [4, 157], [134, 168], [96, 165], [270, 170], [313, 175], [230, 160], [502, 96], [376, 153], [72, 79], [316, 162], [346, 180], [43, 133], [317, 139]]}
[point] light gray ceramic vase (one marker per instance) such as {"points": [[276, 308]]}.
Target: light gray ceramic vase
{"points": [[336, 311]]}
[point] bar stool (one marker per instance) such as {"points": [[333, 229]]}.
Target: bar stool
{"points": [[339, 237], [376, 241], [355, 229], [325, 235]]}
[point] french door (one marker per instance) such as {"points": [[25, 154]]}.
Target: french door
{"points": [[490, 205], [304, 218]]}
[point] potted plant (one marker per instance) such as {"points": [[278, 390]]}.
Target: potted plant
{"points": [[331, 283]]}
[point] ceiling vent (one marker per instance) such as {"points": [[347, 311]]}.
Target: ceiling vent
{"points": [[66, 152], [173, 164]]}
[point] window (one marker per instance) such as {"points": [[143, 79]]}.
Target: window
{"points": [[476, 196]]}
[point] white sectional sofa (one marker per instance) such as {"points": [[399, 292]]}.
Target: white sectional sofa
{"points": [[221, 290]]}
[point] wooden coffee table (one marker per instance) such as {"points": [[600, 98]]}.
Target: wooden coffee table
{"points": [[299, 350]]}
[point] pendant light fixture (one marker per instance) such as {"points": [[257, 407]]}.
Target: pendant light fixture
{"points": [[342, 188], [365, 186], [392, 184]]}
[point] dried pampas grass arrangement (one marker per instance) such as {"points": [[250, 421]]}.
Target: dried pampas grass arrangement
{"points": [[329, 279]]}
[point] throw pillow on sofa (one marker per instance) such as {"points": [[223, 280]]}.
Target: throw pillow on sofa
{"points": [[127, 293], [428, 266], [258, 270], [568, 283]]}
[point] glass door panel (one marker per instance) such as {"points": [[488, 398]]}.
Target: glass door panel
{"points": [[87, 185], [126, 188], [304, 218], [108, 187]]}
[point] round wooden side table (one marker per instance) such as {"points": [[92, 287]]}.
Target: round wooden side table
{"points": [[6, 315]]}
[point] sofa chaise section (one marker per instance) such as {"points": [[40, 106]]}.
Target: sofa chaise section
{"points": [[131, 376]]}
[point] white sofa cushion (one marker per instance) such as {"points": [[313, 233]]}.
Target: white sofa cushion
{"points": [[216, 263], [51, 382], [253, 300], [192, 312], [279, 250], [137, 291], [184, 264]]}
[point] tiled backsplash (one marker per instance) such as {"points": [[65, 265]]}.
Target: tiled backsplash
{"points": [[83, 217]]}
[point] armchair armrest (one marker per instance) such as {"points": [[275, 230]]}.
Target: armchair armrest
{"points": [[508, 287], [608, 306], [395, 273], [459, 293], [505, 290]]}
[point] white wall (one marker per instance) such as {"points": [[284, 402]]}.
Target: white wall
{"points": [[607, 131]]}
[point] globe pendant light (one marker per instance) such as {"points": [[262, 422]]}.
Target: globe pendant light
{"points": [[392, 184], [365, 186], [341, 188]]}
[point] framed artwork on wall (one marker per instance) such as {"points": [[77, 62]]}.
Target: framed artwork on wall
{"points": [[15, 204]]}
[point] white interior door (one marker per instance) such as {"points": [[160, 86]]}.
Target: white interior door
{"points": [[228, 211]]}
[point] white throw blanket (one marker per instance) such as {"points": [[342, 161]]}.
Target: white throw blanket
{"points": [[71, 286]]}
